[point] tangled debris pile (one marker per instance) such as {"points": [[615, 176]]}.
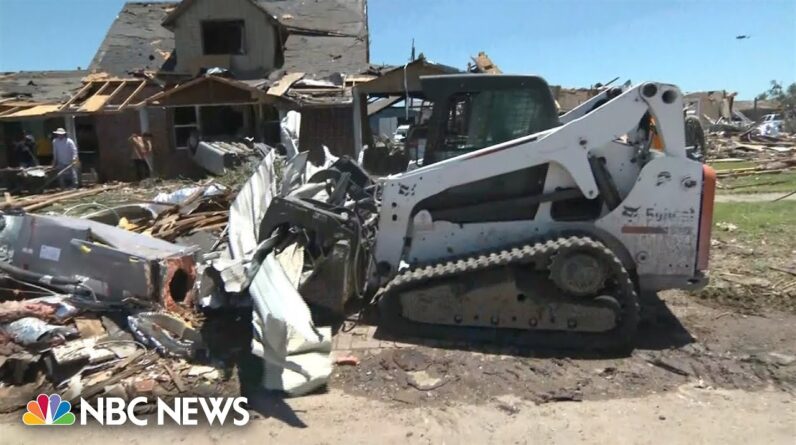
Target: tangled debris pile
{"points": [[750, 150], [109, 304], [750, 141]]}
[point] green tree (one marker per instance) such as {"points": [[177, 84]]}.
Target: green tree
{"points": [[786, 97]]}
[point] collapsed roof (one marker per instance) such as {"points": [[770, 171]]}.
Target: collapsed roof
{"points": [[341, 17], [322, 37], [41, 86]]}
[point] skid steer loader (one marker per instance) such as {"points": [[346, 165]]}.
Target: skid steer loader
{"points": [[523, 226]]}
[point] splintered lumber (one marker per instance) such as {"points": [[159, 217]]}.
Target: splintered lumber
{"points": [[748, 172], [32, 199], [213, 227], [177, 227], [126, 368], [74, 195]]}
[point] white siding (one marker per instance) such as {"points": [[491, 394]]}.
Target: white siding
{"points": [[260, 40]]}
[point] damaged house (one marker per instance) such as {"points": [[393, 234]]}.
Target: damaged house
{"points": [[27, 101], [232, 65], [214, 71]]}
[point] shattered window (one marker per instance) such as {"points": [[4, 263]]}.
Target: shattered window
{"points": [[478, 120], [223, 37], [186, 123]]}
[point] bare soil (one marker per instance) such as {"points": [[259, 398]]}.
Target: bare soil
{"points": [[681, 341]]}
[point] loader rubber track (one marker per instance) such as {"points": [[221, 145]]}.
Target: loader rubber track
{"points": [[619, 339]]}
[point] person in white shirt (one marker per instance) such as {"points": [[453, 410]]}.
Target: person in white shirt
{"points": [[65, 158]]}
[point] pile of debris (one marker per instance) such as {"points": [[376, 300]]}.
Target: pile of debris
{"points": [[36, 202], [750, 141], [108, 304]]}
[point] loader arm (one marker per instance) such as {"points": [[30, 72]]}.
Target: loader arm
{"points": [[567, 147]]}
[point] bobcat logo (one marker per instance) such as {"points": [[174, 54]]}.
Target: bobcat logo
{"points": [[630, 212]]}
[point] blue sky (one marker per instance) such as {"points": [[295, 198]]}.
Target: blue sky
{"points": [[569, 42]]}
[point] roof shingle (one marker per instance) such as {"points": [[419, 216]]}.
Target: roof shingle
{"points": [[136, 40]]}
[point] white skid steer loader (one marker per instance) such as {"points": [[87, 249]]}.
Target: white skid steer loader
{"points": [[522, 226]]}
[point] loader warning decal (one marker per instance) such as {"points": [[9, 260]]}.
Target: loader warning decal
{"points": [[643, 230], [655, 230]]}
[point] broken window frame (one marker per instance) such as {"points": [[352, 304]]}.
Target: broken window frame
{"points": [[195, 125], [240, 23]]}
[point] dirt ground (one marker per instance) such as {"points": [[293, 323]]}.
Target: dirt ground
{"points": [[681, 342], [700, 374], [715, 366], [684, 415]]}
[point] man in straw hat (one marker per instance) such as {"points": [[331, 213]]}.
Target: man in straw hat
{"points": [[65, 160]]}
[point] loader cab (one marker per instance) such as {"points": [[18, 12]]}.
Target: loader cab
{"points": [[473, 111]]}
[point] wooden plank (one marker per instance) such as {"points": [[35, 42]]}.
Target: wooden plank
{"points": [[10, 111], [127, 367], [96, 101], [175, 377], [116, 91], [77, 194], [130, 97], [284, 84], [724, 175], [208, 228], [77, 95], [32, 199], [89, 327], [485, 65]]}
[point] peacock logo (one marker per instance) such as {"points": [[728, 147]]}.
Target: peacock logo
{"points": [[48, 411]]}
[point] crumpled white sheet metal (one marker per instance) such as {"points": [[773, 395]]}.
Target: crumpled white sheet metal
{"points": [[249, 208], [293, 175], [290, 128], [328, 160], [178, 196], [295, 354]]}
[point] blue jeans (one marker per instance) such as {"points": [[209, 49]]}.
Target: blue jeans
{"points": [[67, 179]]}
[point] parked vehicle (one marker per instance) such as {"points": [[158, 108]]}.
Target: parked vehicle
{"points": [[400, 133]]}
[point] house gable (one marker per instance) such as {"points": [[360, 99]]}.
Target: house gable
{"points": [[233, 34], [136, 41]]}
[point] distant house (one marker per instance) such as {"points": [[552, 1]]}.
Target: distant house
{"points": [[214, 70]]}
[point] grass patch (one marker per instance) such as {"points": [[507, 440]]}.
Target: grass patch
{"points": [[772, 221], [741, 276], [770, 183], [722, 166]]}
